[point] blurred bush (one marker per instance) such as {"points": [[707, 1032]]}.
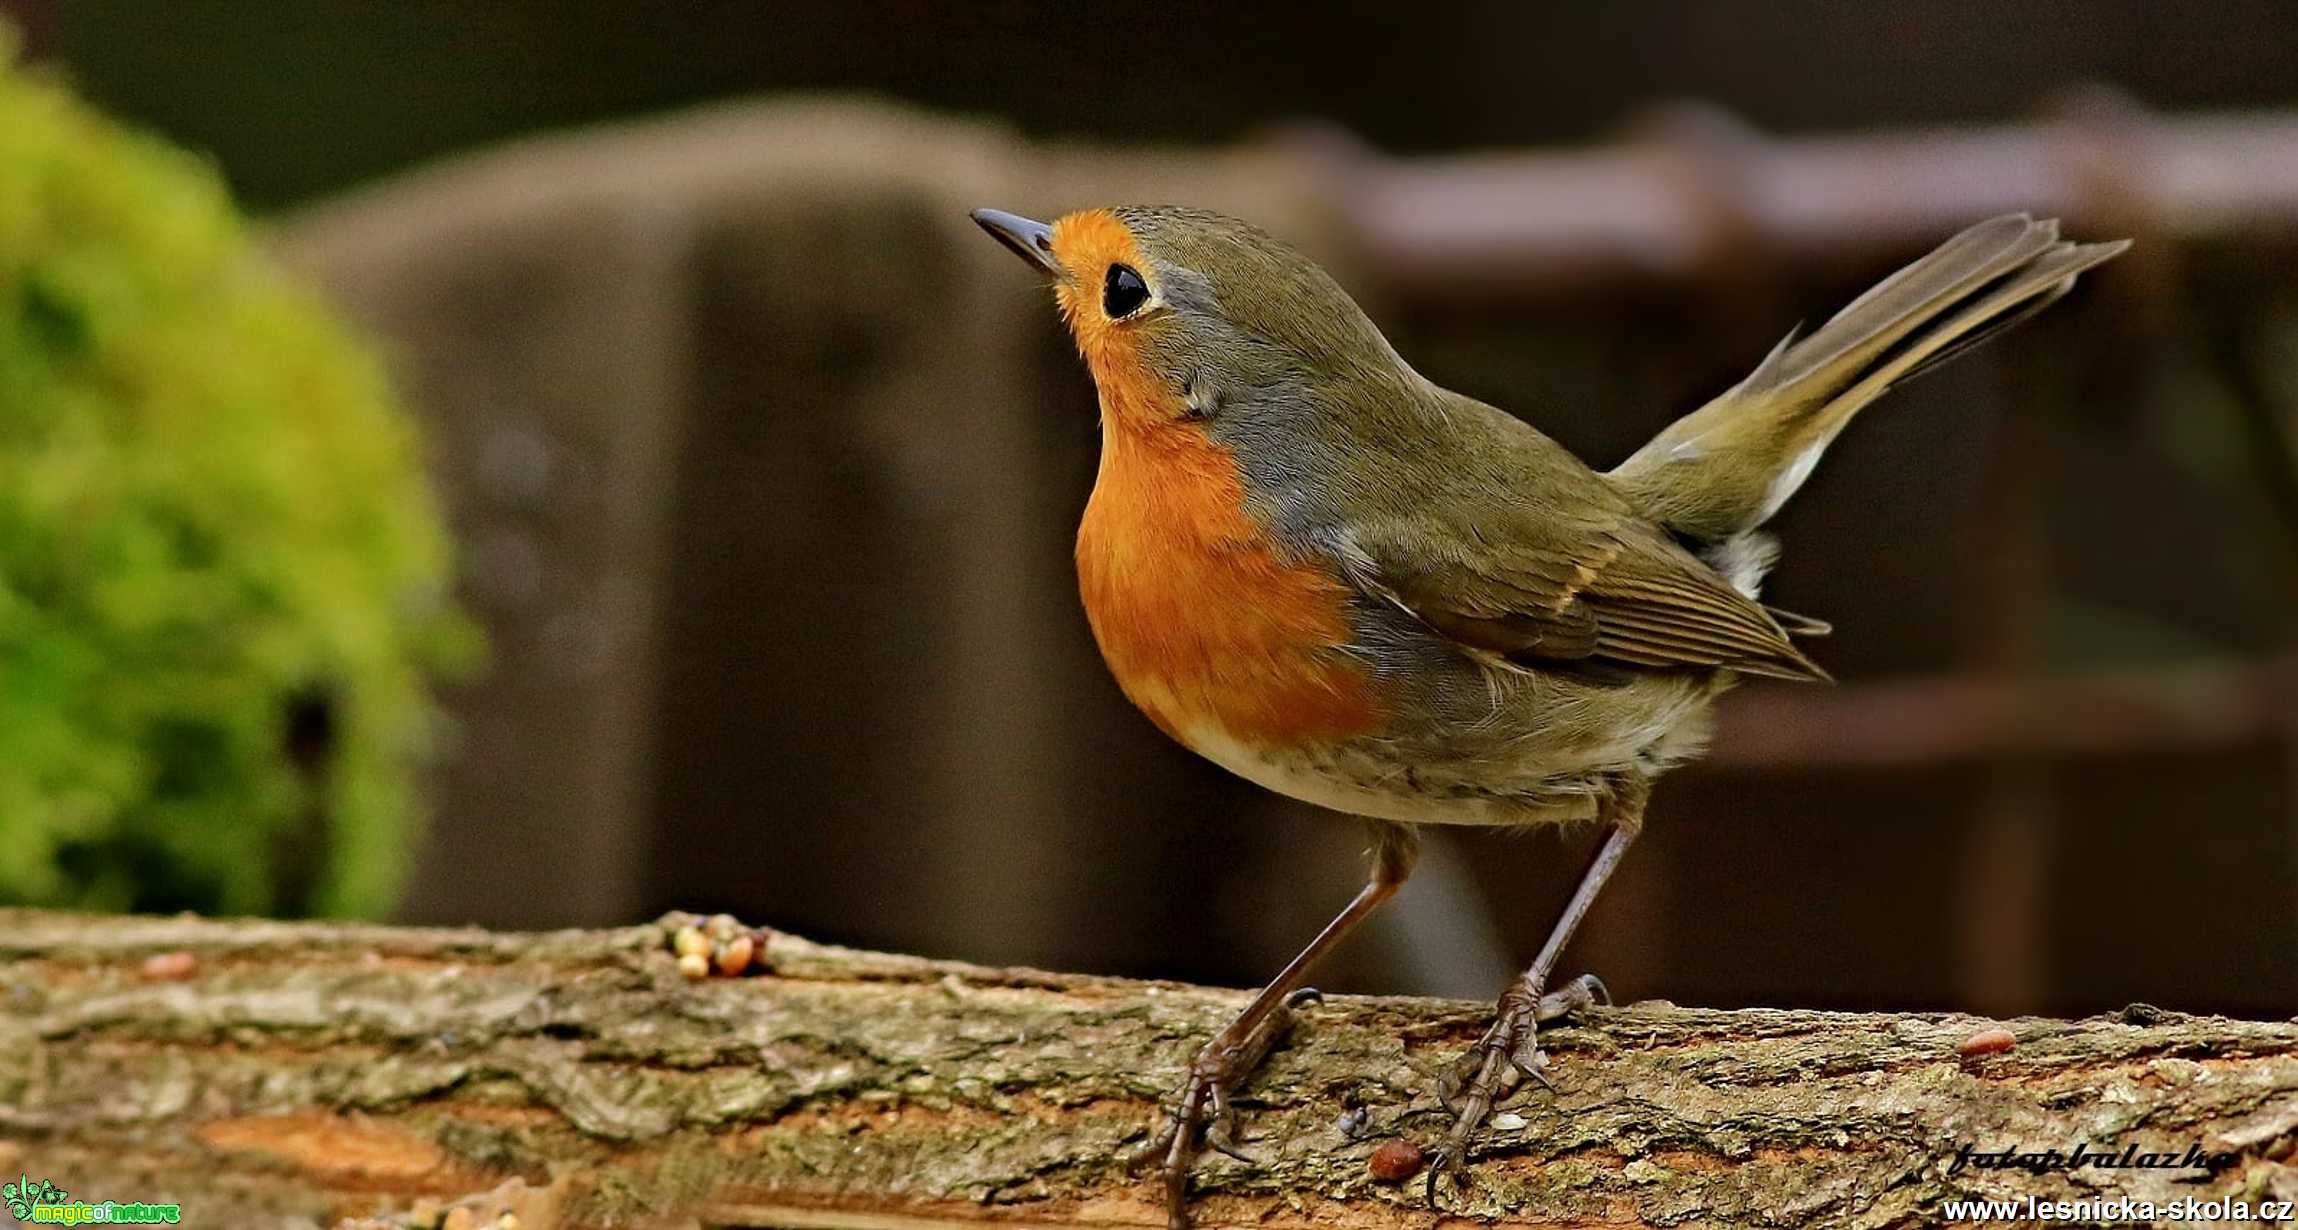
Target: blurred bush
{"points": [[222, 578]]}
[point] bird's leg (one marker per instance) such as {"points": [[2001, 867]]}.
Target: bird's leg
{"points": [[1509, 1052], [1203, 1115]]}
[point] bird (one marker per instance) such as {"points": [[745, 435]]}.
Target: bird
{"points": [[1322, 571]]}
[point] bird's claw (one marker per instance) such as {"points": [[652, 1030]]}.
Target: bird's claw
{"points": [[1467, 1078], [1221, 1132], [1139, 1157], [1205, 1117], [1577, 994], [1532, 1066], [1498, 1065], [1214, 1127], [1445, 1163]]}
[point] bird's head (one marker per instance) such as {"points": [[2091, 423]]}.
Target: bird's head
{"points": [[1186, 314]]}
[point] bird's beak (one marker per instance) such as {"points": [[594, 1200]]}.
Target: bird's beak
{"points": [[1031, 241]]}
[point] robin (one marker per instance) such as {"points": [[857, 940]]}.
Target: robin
{"points": [[1316, 568]]}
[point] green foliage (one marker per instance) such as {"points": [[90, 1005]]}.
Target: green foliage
{"points": [[222, 577]]}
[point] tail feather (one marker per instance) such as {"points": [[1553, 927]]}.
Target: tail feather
{"points": [[1902, 303], [1723, 470], [2028, 290], [1800, 625]]}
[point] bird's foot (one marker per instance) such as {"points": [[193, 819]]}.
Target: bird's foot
{"points": [[1501, 1061], [1205, 1114]]}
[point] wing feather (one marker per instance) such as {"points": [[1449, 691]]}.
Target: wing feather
{"points": [[1618, 592]]}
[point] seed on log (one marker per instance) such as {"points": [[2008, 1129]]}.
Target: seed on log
{"points": [[694, 965], [170, 966], [734, 955], [1395, 1161], [1987, 1042], [690, 940]]}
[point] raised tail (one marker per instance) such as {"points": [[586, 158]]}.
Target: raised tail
{"points": [[1718, 473]]}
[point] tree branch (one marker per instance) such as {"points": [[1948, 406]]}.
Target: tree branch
{"points": [[277, 1074]]}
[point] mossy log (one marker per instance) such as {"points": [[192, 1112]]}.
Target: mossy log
{"points": [[277, 1074]]}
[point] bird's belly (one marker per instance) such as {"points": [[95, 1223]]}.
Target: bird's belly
{"points": [[1358, 780]]}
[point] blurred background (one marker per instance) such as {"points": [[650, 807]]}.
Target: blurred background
{"points": [[759, 468]]}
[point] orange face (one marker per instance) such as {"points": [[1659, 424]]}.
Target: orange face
{"points": [[1088, 244], [1210, 625]]}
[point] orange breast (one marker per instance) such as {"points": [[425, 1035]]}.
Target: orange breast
{"points": [[1203, 623]]}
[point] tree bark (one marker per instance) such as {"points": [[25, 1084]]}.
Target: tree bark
{"points": [[263, 1073]]}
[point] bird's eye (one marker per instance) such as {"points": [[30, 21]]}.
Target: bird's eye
{"points": [[1123, 293]]}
